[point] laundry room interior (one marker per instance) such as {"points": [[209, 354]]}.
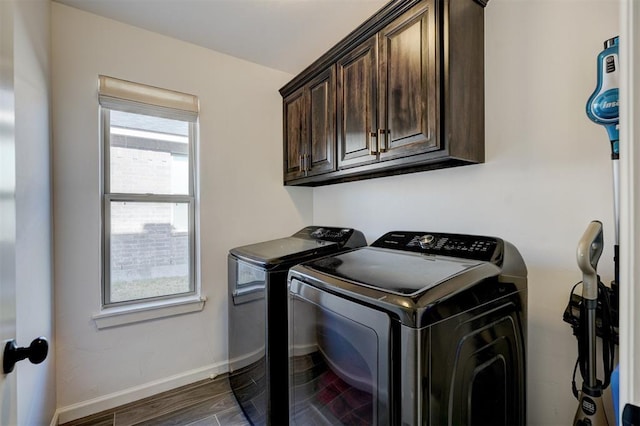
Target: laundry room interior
{"points": [[546, 174]]}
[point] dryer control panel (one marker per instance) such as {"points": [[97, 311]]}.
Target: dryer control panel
{"points": [[475, 247], [341, 236]]}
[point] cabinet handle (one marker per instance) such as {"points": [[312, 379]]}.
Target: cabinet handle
{"points": [[382, 140], [307, 163], [301, 164], [370, 135]]}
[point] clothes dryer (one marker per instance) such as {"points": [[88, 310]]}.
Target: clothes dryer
{"points": [[417, 329], [257, 305]]}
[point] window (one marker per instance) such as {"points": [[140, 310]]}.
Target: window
{"points": [[149, 137]]}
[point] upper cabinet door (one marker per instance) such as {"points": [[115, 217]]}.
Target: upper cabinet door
{"points": [[357, 102], [408, 98], [294, 134], [322, 123]]}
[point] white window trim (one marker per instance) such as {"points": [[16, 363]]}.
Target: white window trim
{"points": [[121, 313], [145, 311]]}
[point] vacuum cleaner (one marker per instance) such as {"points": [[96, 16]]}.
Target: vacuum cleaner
{"points": [[602, 108], [595, 313], [590, 408]]}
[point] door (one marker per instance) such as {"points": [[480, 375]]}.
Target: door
{"points": [[408, 92], [294, 135], [310, 128], [27, 395], [357, 105], [8, 394], [320, 156], [340, 353]]}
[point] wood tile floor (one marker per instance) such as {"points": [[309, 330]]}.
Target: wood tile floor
{"points": [[205, 403]]}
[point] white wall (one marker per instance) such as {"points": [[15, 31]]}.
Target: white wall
{"points": [[547, 175], [34, 273], [242, 200]]}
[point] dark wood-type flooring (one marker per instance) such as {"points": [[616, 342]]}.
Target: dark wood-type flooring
{"points": [[205, 403]]}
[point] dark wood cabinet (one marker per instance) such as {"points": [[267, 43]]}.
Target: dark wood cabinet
{"points": [[322, 123], [309, 128], [294, 135], [357, 102], [408, 98], [408, 95]]}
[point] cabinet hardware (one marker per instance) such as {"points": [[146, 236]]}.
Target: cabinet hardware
{"points": [[372, 150], [305, 161], [383, 140]]}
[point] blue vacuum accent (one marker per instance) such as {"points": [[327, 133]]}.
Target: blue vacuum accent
{"points": [[615, 392], [602, 106]]}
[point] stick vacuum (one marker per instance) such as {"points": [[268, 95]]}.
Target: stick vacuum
{"points": [[590, 409], [602, 108]]}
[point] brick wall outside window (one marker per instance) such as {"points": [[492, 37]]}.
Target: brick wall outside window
{"points": [[144, 242]]}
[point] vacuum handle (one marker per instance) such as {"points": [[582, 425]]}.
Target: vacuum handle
{"points": [[588, 253]]}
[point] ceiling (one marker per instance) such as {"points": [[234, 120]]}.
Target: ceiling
{"points": [[286, 35]]}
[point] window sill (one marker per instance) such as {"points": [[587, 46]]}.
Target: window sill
{"points": [[114, 317]]}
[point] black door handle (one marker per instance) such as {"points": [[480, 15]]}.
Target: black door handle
{"points": [[36, 352]]}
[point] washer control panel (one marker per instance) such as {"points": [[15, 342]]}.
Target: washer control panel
{"points": [[454, 245], [325, 233]]}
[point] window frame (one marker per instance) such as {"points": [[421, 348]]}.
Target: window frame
{"points": [[108, 197]]}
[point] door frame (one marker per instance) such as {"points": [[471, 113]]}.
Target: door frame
{"points": [[8, 382], [630, 203]]}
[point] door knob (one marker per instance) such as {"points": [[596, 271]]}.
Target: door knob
{"points": [[36, 352]]}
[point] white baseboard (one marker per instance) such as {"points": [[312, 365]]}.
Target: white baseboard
{"points": [[126, 396], [54, 420]]}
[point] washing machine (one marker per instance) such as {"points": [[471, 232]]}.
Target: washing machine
{"points": [[419, 328], [257, 273]]}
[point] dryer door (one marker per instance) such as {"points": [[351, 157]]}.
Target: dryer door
{"points": [[339, 359]]}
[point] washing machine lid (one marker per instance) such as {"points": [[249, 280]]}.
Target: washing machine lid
{"points": [[419, 278], [392, 271], [283, 251], [308, 243]]}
